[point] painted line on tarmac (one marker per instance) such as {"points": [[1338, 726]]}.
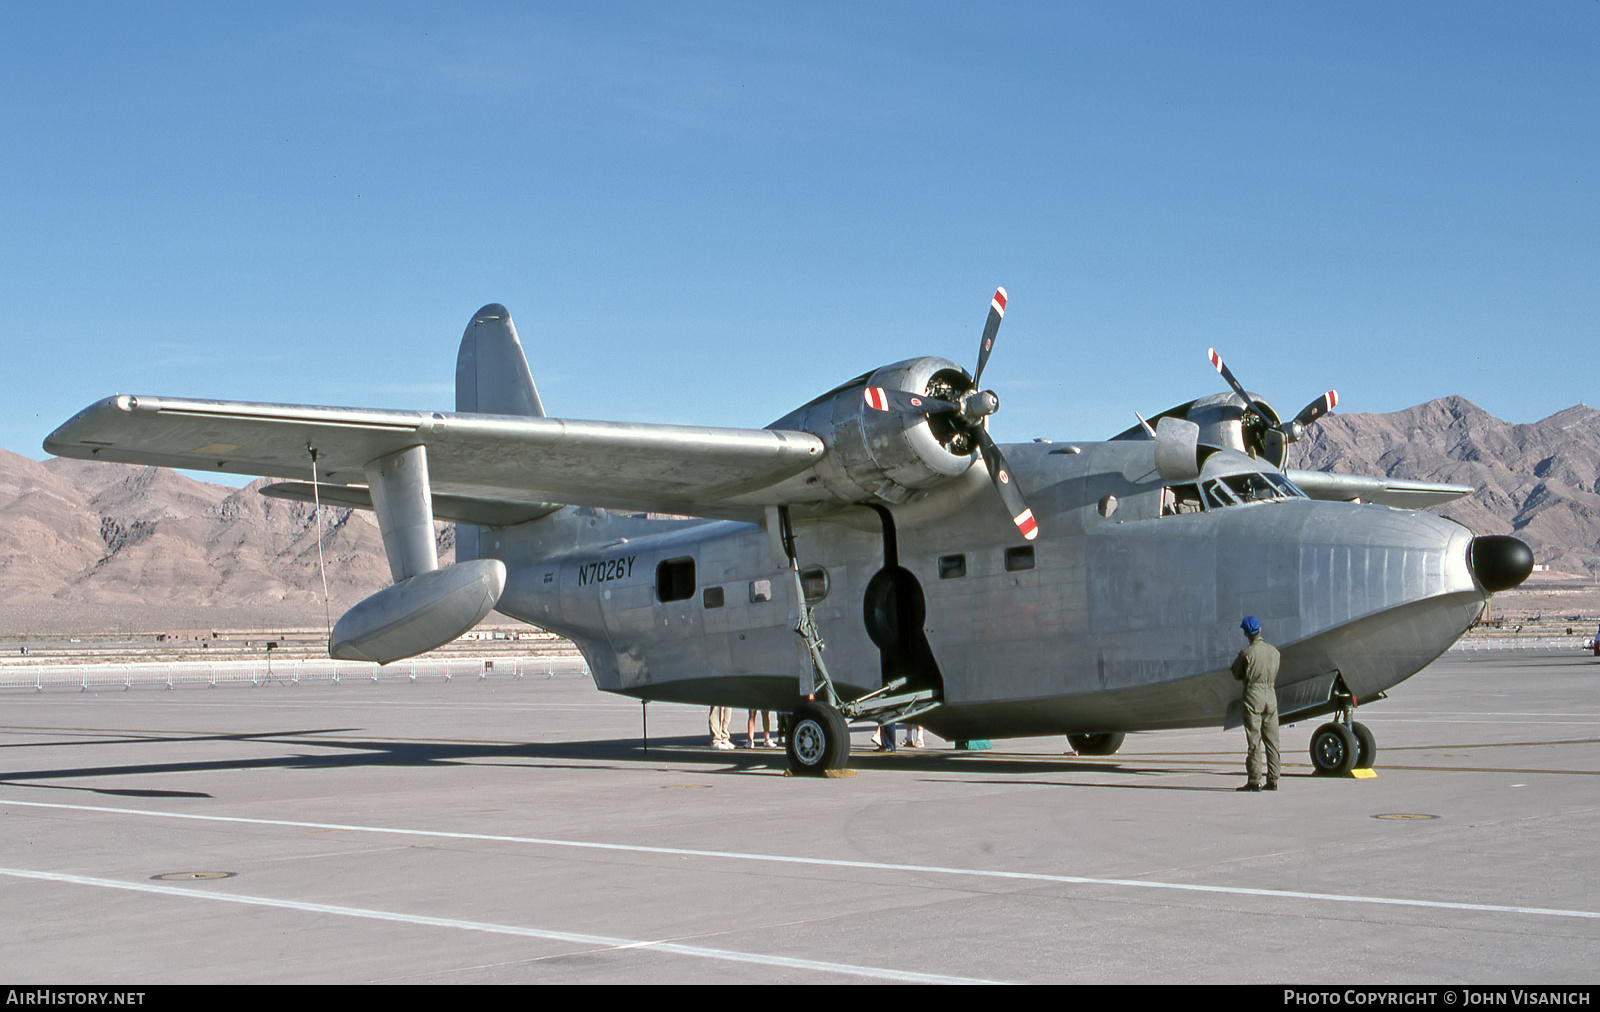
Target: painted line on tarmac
{"points": [[1496, 720], [823, 862], [600, 941], [1419, 714]]}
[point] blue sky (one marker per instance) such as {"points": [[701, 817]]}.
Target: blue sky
{"points": [[707, 213]]}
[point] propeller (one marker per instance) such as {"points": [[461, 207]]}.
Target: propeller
{"points": [[1291, 430], [1310, 413], [967, 410]]}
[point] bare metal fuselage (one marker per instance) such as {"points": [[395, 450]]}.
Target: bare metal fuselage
{"points": [[1119, 622]]}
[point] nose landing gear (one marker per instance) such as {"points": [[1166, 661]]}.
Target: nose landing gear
{"points": [[1343, 744]]}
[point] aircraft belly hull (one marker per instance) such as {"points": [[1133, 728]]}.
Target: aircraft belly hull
{"points": [[775, 693], [1375, 653]]}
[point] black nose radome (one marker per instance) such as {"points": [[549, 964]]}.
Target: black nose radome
{"points": [[1499, 562]]}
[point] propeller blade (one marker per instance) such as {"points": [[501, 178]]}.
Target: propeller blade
{"points": [[1006, 485], [905, 401], [1238, 388], [997, 309], [1317, 408]]}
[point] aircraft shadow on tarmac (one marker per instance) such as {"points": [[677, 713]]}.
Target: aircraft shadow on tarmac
{"points": [[621, 753], [1232, 776], [128, 738]]}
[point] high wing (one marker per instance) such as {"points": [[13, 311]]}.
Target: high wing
{"points": [[479, 465], [1399, 492]]}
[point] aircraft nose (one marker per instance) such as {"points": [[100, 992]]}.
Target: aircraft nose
{"points": [[1499, 562]]}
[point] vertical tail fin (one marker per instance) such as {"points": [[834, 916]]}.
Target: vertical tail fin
{"points": [[492, 376]]}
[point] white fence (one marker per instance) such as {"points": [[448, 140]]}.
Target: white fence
{"points": [[187, 674], [1559, 644]]}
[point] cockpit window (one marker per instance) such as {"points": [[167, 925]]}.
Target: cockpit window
{"points": [[1177, 499], [1229, 490], [1218, 496], [1289, 489]]}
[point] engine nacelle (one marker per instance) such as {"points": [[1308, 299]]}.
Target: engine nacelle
{"points": [[886, 455], [1223, 422]]}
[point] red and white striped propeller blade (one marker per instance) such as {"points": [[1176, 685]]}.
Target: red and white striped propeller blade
{"points": [[991, 327], [884, 399]]}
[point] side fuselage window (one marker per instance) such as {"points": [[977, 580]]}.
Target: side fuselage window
{"points": [[675, 580], [1019, 559], [814, 583]]}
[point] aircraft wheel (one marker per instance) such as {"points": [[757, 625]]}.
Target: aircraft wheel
{"points": [[818, 740], [1334, 749], [1105, 743], [1366, 746]]}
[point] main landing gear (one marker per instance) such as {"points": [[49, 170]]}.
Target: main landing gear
{"points": [[1343, 744], [818, 735], [818, 739], [1105, 743]]}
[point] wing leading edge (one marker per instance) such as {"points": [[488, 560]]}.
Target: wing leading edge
{"points": [[703, 471], [1399, 492], [489, 468]]}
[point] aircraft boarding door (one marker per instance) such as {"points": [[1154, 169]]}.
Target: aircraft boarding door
{"points": [[895, 611]]}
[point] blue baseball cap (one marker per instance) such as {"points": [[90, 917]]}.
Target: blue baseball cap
{"points": [[1251, 625]]}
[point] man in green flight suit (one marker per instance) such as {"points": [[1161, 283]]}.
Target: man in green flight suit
{"points": [[1257, 667]]}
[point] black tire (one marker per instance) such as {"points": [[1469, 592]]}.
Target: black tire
{"points": [[818, 740], [1105, 743], [1366, 746], [1334, 749]]}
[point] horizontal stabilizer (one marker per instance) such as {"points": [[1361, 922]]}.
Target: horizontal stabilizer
{"points": [[452, 508], [1385, 491], [415, 615]]}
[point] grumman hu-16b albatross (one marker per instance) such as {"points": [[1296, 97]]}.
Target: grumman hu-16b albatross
{"points": [[1087, 589]]}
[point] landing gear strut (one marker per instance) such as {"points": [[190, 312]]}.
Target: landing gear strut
{"points": [[1343, 744], [818, 735]]}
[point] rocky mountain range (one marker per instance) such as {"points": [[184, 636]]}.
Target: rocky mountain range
{"points": [[94, 547], [89, 547], [1539, 481]]}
